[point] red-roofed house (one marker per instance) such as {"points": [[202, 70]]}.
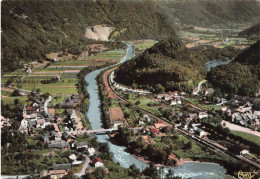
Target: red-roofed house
{"points": [[97, 162], [155, 131], [160, 124]]}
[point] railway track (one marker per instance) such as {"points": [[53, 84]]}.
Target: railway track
{"points": [[217, 148]]}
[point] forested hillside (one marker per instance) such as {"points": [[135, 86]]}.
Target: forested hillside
{"points": [[242, 76], [170, 64], [253, 31], [31, 28]]}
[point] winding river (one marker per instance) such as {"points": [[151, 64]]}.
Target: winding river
{"points": [[188, 170]]}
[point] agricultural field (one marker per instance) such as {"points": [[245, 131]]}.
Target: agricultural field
{"points": [[10, 100], [143, 44], [57, 78]]}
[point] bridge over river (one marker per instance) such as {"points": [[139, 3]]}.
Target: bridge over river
{"points": [[99, 131]]}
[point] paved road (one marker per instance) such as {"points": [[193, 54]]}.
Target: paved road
{"points": [[46, 105], [213, 146], [199, 86], [85, 166], [235, 127]]}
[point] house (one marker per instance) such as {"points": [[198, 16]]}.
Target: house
{"points": [[203, 115], [97, 162], [73, 157], [30, 109], [159, 125], [117, 123], [40, 123], [244, 153], [202, 133], [23, 129], [193, 116], [59, 145], [146, 117], [65, 166], [91, 151], [155, 131], [5, 122], [257, 113], [66, 137], [57, 174], [43, 173], [236, 117], [167, 129], [173, 102], [209, 91], [83, 144], [243, 109], [24, 123]]}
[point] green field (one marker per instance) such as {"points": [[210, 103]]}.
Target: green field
{"points": [[144, 45], [250, 137], [195, 150], [10, 100]]}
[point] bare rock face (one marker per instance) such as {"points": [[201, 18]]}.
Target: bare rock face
{"points": [[98, 32]]}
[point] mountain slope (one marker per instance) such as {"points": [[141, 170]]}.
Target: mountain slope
{"points": [[31, 28], [242, 76], [170, 64], [251, 31]]}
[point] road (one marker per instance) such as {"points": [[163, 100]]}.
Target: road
{"points": [[235, 127], [85, 166], [199, 86], [213, 146], [46, 105]]}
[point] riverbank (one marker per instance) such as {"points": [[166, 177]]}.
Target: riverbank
{"points": [[179, 164]]}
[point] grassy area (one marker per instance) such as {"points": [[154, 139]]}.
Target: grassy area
{"points": [[40, 152], [5, 93], [76, 169], [57, 100], [195, 150], [10, 100], [31, 141], [250, 137], [144, 44], [59, 111]]}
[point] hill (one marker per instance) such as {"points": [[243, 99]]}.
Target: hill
{"points": [[204, 13], [170, 64], [253, 31], [242, 76], [31, 28]]}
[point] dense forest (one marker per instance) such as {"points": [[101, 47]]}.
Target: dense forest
{"points": [[241, 76], [170, 64]]}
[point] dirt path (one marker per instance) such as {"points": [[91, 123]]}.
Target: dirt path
{"points": [[111, 94], [235, 127], [7, 89]]}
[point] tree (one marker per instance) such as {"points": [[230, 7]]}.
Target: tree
{"points": [[170, 174], [133, 170], [16, 101], [16, 93], [38, 91], [151, 171], [159, 88], [189, 145]]}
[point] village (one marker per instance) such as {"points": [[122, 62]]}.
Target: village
{"points": [[190, 119]]}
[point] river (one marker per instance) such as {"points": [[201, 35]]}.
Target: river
{"points": [[193, 170], [214, 63]]}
